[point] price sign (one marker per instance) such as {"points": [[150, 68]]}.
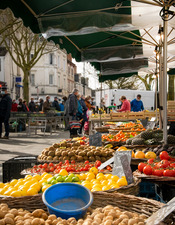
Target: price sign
{"points": [[95, 140]]}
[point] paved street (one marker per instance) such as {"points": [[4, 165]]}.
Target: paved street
{"points": [[21, 145]]}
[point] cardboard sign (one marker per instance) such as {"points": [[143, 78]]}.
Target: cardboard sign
{"points": [[95, 140], [105, 164], [162, 213], [151, 125]]}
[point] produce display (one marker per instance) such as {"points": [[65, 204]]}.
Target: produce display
{"points": [[30, 185], [55, 168], [74, 151], [131, 126], [93, 180], [106, 216], [119, 137], [160, 148], [150, 137], [164, 167]]}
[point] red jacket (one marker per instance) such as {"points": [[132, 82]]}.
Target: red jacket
{"points": [[126, 106], [14, 107]]}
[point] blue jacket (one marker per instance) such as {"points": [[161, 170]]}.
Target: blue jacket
{"points": [[80, 111], [83, 104], [136, 106], [61, 107]]}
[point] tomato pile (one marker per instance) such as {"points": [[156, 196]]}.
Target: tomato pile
{"points": [[68, 166], [165, 167]]}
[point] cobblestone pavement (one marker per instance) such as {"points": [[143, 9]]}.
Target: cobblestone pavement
{"points": [[21, 145]]}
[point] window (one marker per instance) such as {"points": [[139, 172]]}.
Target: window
{"points": [[32, 79], [51, 79], [59, 61], [69, 86], [72, 71], [68, 70], [51, 59], [64, 64], [31, 56]]}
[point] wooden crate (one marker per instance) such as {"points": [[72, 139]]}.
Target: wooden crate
{"points": [[120, 116], [150, 114], [135, 115]]}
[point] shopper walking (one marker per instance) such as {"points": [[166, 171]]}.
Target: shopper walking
{"points": [[125, 105], [84, 109], [32, 107], [66, 112], [5, 108], [137, 104]]}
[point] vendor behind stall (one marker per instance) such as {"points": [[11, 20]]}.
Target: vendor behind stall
{"points": [[125, 105]]}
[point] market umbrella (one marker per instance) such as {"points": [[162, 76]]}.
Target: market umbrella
{"points": [[71, 17]]}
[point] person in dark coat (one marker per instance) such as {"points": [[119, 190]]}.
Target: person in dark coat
{"points": [[55, 104], [5, 109], [32, 107], [73, 104], [20, 106], [84, 108], [25, 107], [40, 104]]}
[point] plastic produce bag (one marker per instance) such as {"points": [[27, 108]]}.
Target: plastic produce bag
{"points": [[122, 161]]}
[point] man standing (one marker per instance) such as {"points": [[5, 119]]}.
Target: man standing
{"points": [[46, 104], [32, 107], [125, 105], [55, 104], [137, 104], [5, 108]]}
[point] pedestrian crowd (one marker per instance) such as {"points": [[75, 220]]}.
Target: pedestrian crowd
{"points": [[76, 108]]}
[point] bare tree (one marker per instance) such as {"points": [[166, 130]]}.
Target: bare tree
{"points": [[147, 80], [124, 83], [21, 42]]}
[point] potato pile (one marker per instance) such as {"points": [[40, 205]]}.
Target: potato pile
{"points": [[77, 152], [108, 215]]}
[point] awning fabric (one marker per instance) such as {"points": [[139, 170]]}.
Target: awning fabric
{"points": [[115, 77]]}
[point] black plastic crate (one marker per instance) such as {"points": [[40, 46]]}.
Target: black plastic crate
{"points": [[13, 167]]}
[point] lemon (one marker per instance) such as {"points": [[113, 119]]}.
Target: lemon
{"points": [[108, 176], [43, 175], [115, 178], [28, 177], [19, 183], [45, 187], [104, 182], [100, 176], [150, 155], [9, 191], [93, 170], [36, 186], [23, 191], [97, 186], [96, 189], [28, 183], [89, 186], [32, 191], [105, 188], [114, 186], [2, 185], [13, 182], [63, 172], [37, 176], [16, 194], [122, 182], [90, 176]]}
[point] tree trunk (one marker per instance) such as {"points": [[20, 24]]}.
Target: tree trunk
{"points": [[26, 85], [171, 87]]}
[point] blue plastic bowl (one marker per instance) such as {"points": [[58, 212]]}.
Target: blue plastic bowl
{"points": [[67, 200]]}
